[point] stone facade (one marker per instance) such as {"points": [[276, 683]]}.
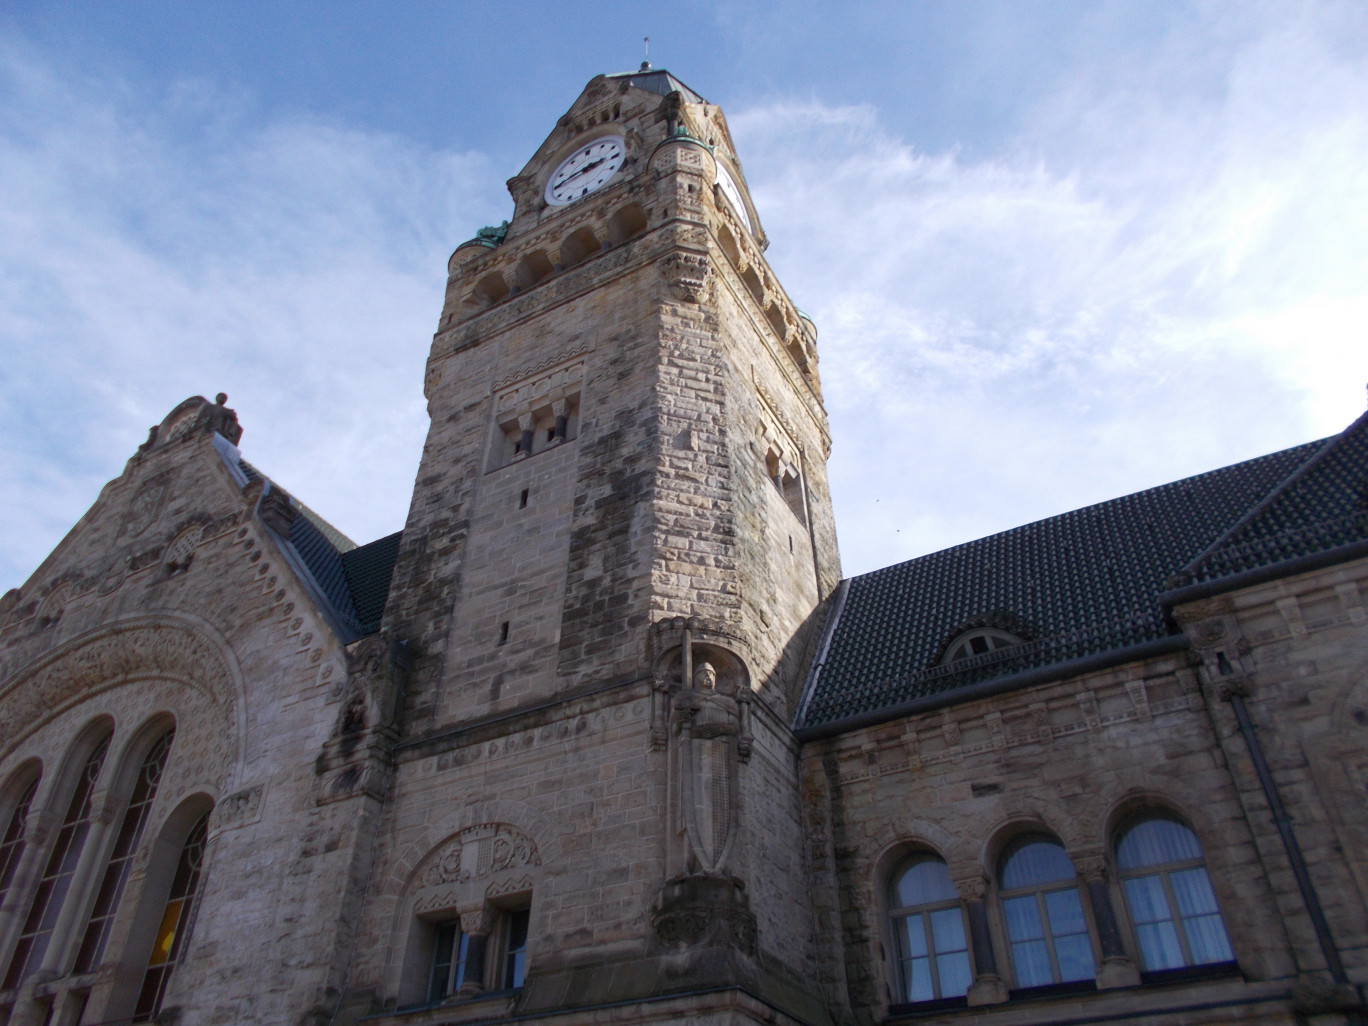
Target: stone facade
{"points": [[565, 775]]}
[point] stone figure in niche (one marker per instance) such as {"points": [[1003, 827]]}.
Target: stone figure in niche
{"points": [[709, 714]]}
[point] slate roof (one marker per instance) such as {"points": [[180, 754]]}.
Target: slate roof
{"points": [[353, 580], [1075, 586], [1319, 509]]}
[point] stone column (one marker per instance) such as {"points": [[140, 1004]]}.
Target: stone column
{"points": [[1116, 969], [988, 987], [89, 872], [562, 410], [529, 427], [477, 922]]}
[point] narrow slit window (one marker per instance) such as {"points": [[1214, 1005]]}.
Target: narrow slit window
{"points": [[503, 633]]}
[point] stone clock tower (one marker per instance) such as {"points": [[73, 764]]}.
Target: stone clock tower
{"points": [[620, 531]]}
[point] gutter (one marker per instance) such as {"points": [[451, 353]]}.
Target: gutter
{"points": [[837, 605], [1263, 574]]}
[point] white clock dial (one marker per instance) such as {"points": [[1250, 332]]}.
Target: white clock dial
{"points": [[585, 170], [727, 184]]}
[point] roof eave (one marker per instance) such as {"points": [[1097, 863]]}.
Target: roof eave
{"points": [[988, 688]]}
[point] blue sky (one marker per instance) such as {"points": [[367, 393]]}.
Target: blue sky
{"points": [[1056, 251]]}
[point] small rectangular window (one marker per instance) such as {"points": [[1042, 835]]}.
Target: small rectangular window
{"points": [[503, 633], [522, 499]]}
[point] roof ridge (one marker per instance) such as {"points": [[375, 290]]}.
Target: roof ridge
{"points": [[1167, 485]]}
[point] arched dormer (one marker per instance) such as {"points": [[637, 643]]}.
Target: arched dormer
{"points": [[977, 641]]}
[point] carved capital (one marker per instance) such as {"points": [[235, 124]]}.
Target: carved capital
{"points": [[688, 275]]}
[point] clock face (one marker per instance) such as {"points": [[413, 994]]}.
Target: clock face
{"points": [[727, 184], [585, 170]]}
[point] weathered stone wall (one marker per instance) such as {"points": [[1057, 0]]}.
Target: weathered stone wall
{"points": [[1072, 759], [171, 599], [1295, 653]]}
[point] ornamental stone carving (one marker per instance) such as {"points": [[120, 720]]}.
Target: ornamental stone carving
{"points": [[112, 656], [477, 852], [688, 275]]}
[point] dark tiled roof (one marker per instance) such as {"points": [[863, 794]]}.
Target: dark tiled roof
{"points": [[353, 579], [1075, 585], [1323, 506], [368, 569], [356, 582]]}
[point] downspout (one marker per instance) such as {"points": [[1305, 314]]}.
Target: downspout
{"points": [[1288, 835]]}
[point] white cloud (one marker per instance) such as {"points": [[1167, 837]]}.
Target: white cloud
{"points": [[157, 247], [1164, 274]]}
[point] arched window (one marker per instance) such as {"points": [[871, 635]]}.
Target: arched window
{"points": [[1043, 911], [121, 858], [928, 931], [57, 874], [174, 929], [1169, 896], [12, 843]]}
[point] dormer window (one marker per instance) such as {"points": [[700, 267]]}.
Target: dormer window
{"points": [[979, 641]]}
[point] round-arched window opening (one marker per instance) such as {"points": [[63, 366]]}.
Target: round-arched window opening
{"points": [[929, 932], [1168, 894], [979, 641], [1042, 909]]}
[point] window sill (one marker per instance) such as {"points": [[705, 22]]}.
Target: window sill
{"points": [[1052, 990], [916, 1008], [1190, 974], [452, 1002]]}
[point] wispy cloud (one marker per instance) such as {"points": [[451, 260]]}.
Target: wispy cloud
{"points": [[1160, 272], [1164, 273], [158, 247]]}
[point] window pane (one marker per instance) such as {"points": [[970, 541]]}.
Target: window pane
{"points": [[925, 883], [955, 976], [1145, 896], [444, 944], [1036, 862], [918, 972], [515, 965], [1032, 961], [1075, 958], [1023, 918], [1156, 842], [947, 930], [1159, 947], [1206, 937], [1192, 889], [1065, 912], [913, 936]]}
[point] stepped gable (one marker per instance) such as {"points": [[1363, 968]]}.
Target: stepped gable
{"points": [[1078, 585], [1315, 513]]}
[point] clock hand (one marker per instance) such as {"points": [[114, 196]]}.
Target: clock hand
{"points": [[584, 170]]}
